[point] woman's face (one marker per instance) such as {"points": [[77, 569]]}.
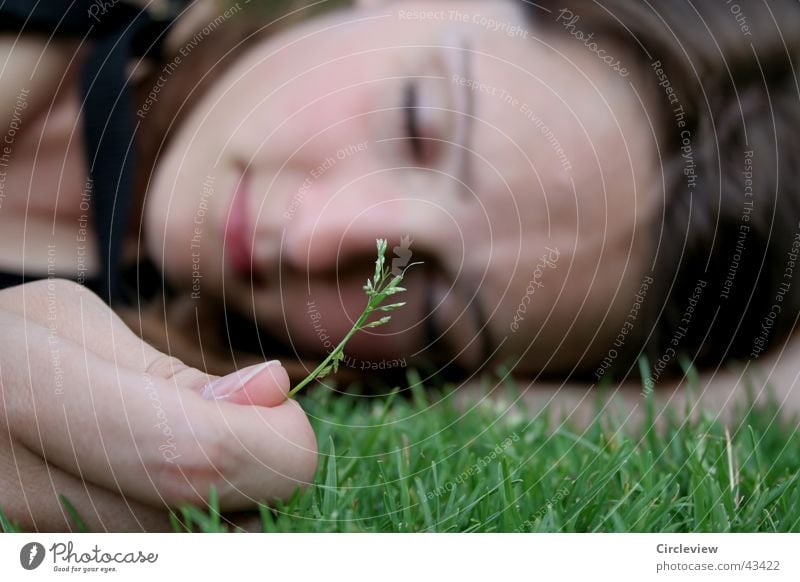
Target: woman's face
{"points": [[501, 152]]}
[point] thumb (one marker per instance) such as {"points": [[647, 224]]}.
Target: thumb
{"points": [[264, 384]]}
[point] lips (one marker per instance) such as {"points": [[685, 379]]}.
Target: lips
{"points": [[239, 232]]}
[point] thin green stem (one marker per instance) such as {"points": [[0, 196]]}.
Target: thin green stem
{"points": [[327, 361], [381, 286]]}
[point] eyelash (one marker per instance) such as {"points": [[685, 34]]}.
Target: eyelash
{"points": [[412, 127]]}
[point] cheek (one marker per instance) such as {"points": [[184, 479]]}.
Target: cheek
{"points": [[316, 113], [155, 224], [168, 227], [534, 288]]}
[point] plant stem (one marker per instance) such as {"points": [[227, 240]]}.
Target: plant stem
{"points": [[327, 361], [377, 289]]}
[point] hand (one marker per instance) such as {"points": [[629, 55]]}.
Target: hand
{"points": [[90, 411]]}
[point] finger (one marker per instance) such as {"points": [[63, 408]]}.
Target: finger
{"points": [[30, 490], [260, 385], [271, 453], [82, 414], [72, 312], [153, 439], [265, 384]]}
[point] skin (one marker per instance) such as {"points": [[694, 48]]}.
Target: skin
{"points": [[282, 110], [274, 117], [86, 425], [115, 418]]}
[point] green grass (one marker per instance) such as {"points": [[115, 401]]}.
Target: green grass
{"points": [[409, 462]]}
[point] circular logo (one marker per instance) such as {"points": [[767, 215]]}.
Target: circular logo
{"points": [[31, 555]]}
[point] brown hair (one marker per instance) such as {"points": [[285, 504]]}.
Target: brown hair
{"points": [[730, 223], [168, 321], [200, 333], [729, 68]]}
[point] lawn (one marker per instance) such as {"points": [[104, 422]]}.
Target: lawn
{"points": [[414, 461]]}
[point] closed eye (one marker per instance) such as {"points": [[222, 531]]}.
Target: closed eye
{"points": [[412, 122]]}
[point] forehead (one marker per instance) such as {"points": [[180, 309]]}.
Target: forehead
{"points": [[557, 138]]}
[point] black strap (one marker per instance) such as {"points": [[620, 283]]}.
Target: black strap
{"points": [[109, 131], [119, 31], [62, 17]]}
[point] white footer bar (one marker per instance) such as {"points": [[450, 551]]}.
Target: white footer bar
{"points": [[383, 557]]}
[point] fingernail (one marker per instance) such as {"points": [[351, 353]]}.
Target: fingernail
{"points": [[228, 385]]}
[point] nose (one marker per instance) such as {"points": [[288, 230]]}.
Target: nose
{"points": [[335, 229], [406, 183]]}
